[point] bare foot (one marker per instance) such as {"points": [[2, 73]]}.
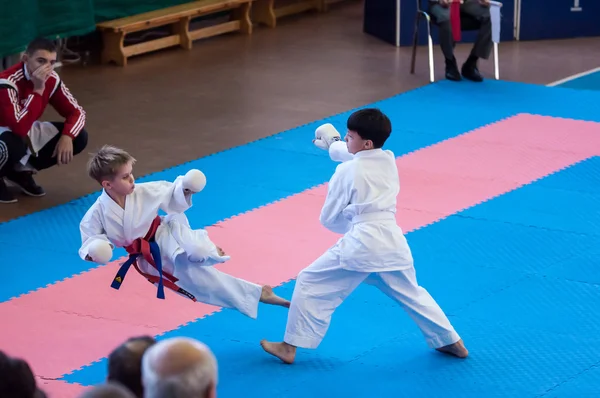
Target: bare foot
{"points": [[283, 351], [457, 349], [269, 297]]}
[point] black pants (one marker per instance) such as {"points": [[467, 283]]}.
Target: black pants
{"points": [[473, 16], [13, 148]]}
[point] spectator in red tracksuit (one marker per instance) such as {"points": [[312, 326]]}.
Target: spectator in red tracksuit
{"points": [[26, 144]]}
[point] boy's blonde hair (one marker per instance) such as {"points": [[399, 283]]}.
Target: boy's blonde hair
{"points": [[105, 163]]}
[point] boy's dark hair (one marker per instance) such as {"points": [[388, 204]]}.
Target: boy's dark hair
{"points": [[125, 363], [370, 124], [40, 43]]}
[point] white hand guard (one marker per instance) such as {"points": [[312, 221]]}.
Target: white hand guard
{"points": [[325, 135], [194, 180], [100, 251]]}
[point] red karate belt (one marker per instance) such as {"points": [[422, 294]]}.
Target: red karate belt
{"points": [[149, 250]]}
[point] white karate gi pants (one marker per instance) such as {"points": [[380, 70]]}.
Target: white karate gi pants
{"points": [[206, 283], [214, 287], [325, 284]]}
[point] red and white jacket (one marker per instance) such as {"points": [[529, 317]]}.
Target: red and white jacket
{"points": [[20, 107]]}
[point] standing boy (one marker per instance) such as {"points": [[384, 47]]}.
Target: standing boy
{"points": [[361, 205]]}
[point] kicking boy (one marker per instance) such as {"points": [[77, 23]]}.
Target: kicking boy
{"points": [[165, 250], [361, 205]]}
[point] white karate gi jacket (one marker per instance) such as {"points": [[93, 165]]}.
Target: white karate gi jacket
{"points": [[361, 204]]}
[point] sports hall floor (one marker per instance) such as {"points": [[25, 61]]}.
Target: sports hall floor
{"points": [[500, 201]]}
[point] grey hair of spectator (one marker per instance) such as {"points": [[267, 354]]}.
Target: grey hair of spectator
{"points": [[179, 368]]}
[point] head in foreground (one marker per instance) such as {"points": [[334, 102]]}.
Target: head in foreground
{"points": [[112, 168], [108, 390], [179, 368], [125, 363], [17, 379], [368, 129]]}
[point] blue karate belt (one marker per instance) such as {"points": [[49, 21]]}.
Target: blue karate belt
{"points": [[148, 248]]}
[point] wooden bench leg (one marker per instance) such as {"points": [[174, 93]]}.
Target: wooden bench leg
{"points": [[242, 14], [182, 28], [113, 48], [263, 12]]}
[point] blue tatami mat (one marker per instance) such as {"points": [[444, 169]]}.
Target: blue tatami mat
{"points": [[250, 176], [513, 274], [586, 82]]}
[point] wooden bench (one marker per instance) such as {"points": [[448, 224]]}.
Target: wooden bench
{"points": [[113, 32], [267, 11]]}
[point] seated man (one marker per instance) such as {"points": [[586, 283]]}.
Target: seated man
{"points": [[27, 145], [476, 11]]}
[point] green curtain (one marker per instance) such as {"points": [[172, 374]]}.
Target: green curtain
{"points": [[23, 20], [18, 25], [106, 10], [64, 18]]}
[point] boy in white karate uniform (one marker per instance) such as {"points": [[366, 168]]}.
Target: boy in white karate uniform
{"points": [[164, 249], [361, 204]]}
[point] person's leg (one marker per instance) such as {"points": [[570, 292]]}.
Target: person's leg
{"points": [[195, 269], [44, 160], [441, 18], [402, 287], [12, 149], [319, 291], [483, 45], [214, 287]]}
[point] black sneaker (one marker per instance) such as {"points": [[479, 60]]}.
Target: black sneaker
{"points": [[24, 180], [5, 195]]}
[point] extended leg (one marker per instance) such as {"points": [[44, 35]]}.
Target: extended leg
{"points": [[199, 255], [402, 287], [319, 290], [214, 287]]}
